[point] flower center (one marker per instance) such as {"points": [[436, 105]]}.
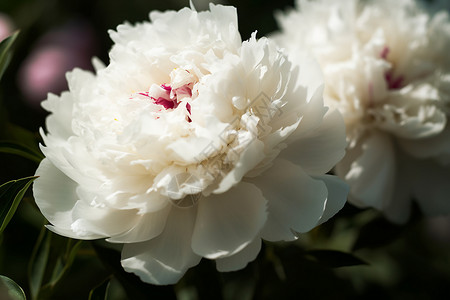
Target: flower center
{"points": [[393, 82], [170, 95]]}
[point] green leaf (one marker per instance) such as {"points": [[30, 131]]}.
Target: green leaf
{"points": [[5, 52], [334, 258], [12, 132], [100, 292], [38, 262], [9, 290], [11, 193], [50, 262], [64, 262], [13, 147]]}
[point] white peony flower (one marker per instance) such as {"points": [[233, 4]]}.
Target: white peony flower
{"points": [[190, 144], [387, 69]]}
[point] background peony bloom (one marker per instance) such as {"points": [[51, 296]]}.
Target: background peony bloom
{"points": [[190, 144], [387, 69], [57, 52]]}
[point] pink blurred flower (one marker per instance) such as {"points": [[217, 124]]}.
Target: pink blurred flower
{"points": [[57, 52]]}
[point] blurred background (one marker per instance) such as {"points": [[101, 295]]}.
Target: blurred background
{"points": [[357, 255]]}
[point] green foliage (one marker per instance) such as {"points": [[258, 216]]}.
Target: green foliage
{"points": [[9, 290], [6, 52], [11, 193], [50, 261], [100, 292], [14, 147], [13, 138]]}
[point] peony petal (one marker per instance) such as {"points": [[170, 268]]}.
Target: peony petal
{"points": [[321, 149], [164, 259], [250, 157], [148, 226], [228, 222], [311, 114], [438, 145], [73, 235], [56, 196], [100, 220], [295, 200], [371, 173], [399, 208], [337, 196], [241, 259], [423, 122]]}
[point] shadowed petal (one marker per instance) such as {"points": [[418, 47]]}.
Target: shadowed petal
{"points": [[164, 259], [295, 200], [228, 222], [241, 259], [337, 196]]}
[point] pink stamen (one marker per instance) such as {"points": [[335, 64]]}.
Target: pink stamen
{"points": [[392, 82], [185, 89], [166, 87], [168, 97], [168, 104], [188, 107], [384, 53], [145, 94]]}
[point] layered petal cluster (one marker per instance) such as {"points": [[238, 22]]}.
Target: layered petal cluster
{"points": [[387, 69], [190, 144]]}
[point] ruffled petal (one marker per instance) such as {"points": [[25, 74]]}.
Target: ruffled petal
{"points": [[250, 157], [295, 200], [241, 259], [56, 196], [436, 146], [228, 222], [89, 219], [148, 226], [164, 259], [424, 121], [310, 114]]}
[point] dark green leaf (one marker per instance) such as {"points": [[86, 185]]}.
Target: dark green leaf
{"points": [[11, 193], [16, 148], [12, 132], [100, 292], [5, 52], [379, 232], [38, 262], [64, 262], [50, 262], [334, 258], [9, 290]]}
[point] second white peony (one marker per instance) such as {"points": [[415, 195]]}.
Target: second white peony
{"points": [[387, 69]]}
